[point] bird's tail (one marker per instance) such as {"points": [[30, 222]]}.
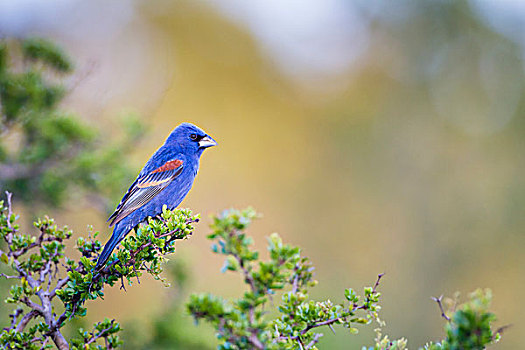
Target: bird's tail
{"points": [[119, 232]]}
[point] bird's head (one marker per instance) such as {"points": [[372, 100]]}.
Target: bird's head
{"points": [[190, 138]]}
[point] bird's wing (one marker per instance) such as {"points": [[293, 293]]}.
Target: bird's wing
{"points": [[145, 188]]}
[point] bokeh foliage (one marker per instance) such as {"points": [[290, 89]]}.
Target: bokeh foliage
{"points": [[47, 154]]}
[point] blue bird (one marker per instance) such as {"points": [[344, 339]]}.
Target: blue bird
{"points": [[166, 179]]}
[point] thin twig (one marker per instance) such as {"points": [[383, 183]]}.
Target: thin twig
{"points": [[122, 286], [377, 282], [501, 329], [314, 341], [100, 334], [44, 343], [14, 317], [440, 304], [60, 284], [9, 276], [329, 322]]}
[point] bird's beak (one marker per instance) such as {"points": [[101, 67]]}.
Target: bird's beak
{"points": [[206, 142]]}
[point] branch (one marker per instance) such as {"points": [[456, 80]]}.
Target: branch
{"points": [[41, 280], [374, 290], [25, 320], [45, 271], [41, 239], [44, 343], [8, 276], [61, 283], [438, 301], [32, 305], [309, 328], [45, 308], [256, 342], [251, 282], [328, 322], [107, 270], [102, 333], [14, 317], [314, 341], [500, 330]]}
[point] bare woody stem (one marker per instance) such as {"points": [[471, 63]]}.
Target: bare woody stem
{"points": [[251, 282], [44, 282], [440, 304]]}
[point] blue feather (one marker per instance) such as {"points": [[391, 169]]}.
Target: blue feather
{"points": [[166, 179]]}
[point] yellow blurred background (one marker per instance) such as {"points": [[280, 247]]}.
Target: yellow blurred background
{"points": [[382, 136]]}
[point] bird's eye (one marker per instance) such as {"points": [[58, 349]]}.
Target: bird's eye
{"points": [[193, 137]]}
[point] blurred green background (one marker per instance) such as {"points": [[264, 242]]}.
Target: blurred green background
{"points": [[395, 124]]}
